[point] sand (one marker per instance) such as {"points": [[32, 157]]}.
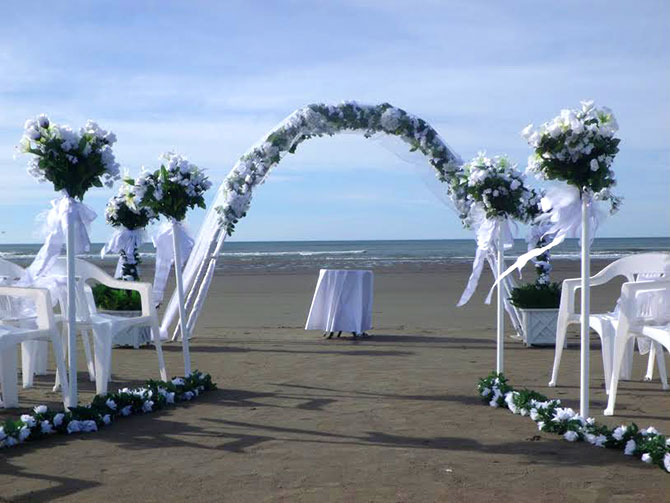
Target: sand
{"points": [[394, 417]]}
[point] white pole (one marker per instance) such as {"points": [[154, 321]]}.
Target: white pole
{"points": [[71, 312], [586, 311], [180, 296], [500, 320]]}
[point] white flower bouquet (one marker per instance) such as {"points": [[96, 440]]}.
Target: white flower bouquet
{"points": [[496, 186], [578, 147], [129, 220], [173, 189], [74, 161]]}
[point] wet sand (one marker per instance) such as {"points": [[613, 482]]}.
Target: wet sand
{"points": [[394, 417]]}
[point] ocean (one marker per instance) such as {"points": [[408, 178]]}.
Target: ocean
{"points": [[287, 256]]}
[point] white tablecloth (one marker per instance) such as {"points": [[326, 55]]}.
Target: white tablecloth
{"points": [[342, 302]]}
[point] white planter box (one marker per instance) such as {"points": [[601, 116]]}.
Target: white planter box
{"points": [[539, 326], [134, 336]]}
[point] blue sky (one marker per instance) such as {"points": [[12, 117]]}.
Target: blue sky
{"points": [[208, 79]]}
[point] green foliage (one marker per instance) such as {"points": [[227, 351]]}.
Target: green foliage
{"points": [[112, 299], [536, 296]]}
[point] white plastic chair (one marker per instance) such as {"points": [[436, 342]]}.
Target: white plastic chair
{"points": [[105, 326], [634, 268], [641, 315], [44, 329]]}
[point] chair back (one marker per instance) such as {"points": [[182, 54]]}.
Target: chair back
{"points": [[10, 307], [639, 266]]}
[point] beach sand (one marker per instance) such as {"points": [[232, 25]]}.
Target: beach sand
{"points": [[391, 418]]}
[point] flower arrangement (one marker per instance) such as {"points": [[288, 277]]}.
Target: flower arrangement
{"points": [[129, 217], [647, 444], [577, 147], [104, 409], [495, 185], [74, 161], [319, 120], [173, 189]]}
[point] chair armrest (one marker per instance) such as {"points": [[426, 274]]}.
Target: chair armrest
{"points": [[145, 290], [41, 298], [631, 289]]}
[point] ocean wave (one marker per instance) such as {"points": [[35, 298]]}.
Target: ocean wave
{"points": [[299, 253]]}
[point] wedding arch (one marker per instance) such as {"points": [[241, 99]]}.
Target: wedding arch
{"points": [[235, 193]]}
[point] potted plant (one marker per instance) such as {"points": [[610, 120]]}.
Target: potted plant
{"points": [[538, 303]]}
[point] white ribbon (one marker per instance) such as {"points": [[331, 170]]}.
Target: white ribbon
{"points": [[562, 215], [163, 242], [126, 241], [56, 234], [487, 230]]}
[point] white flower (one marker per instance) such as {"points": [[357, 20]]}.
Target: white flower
{"points": [[571, 436], [563, 414], [169, 397], [630, 447], [534, 414], [58, 419], [594, 165], [111, 404], [147, 406], [486, 391], [619, 432], [73, 426], [189, 395], [126, 411], [11, 441], [28, 420], [646, 457], [24, 433], [46, 428], [649, 431], [540, 425], [40, 409], [666, 461], [89, 425], [2, 433], [527, 131], [107, 419]]}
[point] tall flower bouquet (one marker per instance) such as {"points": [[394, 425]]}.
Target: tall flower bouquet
{"points": [[129, 220], [171, 191], [496, 194], [73, 161], [577, 147]]}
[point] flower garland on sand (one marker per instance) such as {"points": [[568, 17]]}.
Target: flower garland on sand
{"points": [[496, 193], [104, 409], [319, 120], [129, 219], [551, 417]]}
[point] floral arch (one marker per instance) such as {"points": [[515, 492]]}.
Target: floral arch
{"points": [[234, 196]]}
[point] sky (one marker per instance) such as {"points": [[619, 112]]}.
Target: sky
{"points": [[209, 79]]}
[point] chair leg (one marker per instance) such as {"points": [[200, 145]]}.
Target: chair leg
{"points": [[63, 346], [29, 350], [155, 330], [660, 360], [8, 377], [649, 376], [90, 364], [627, 369], [607, 349], [59, 355], [620, 344], [102, 350], [561, 329]]}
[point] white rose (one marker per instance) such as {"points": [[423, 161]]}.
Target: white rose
{"points": [[646, 457], [630, 447], [594, 165], [571, 436]]}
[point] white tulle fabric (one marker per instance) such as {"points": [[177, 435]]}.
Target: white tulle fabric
{"points": [[124, 240], [56, 233], [562, 207], [487, 231], [163, 242]]}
